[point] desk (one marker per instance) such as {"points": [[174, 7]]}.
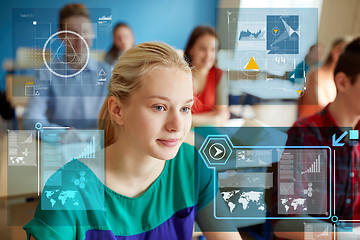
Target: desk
{"points": [[266, 88], [15, 89]]}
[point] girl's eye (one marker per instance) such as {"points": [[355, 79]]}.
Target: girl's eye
{"points": [[159, 108], [185, 109]]}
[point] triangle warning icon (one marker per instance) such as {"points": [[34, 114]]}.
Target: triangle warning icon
{"points": [[299, 91], [252, 65]]}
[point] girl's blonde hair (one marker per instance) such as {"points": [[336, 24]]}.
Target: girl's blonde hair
{"points": [[130, 70]]}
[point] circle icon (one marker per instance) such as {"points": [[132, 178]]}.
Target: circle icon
{"points": [[308, 191], [275, 31], [300, 92], [334, 219], [38, 126], [217, 151], [74, 55]]}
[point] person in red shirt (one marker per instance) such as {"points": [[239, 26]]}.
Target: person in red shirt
{"points": [[318, 129], [211, 104]]}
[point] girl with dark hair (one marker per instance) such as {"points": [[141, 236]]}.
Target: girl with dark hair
{"points": [[123, 39], [211, 104]]}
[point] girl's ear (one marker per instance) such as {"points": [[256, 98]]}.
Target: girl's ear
{"points": [[115, 110]]}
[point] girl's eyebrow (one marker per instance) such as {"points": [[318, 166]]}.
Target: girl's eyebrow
{"points": [[168, 100]]}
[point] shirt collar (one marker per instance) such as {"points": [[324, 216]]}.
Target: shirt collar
{"points": [[329, 120]]}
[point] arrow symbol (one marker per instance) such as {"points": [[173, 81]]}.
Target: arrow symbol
{"points": [[336, 143], [218, 151]]}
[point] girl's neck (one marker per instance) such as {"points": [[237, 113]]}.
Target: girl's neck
{"points": [[200, 72]]}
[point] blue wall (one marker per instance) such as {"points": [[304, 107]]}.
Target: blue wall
{"points": [[166, 20]]}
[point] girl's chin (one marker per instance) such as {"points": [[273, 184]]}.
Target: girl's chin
{"points": [[168, 155]]}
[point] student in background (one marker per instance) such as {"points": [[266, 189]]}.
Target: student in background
{"points": [[312, 59], [123, 39], [318, 129], [210, 91], [73, 101], [155, 185], [320, 86]]}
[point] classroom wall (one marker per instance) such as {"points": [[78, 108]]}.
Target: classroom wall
{"points": [[339, 18], [169, 21]]}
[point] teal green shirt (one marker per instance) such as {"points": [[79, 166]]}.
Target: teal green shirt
{"points": [[93, 211]]}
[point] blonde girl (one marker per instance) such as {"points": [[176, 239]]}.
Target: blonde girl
{"points": [[155, 186]]}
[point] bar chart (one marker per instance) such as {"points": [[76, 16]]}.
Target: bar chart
{"points": [[314, 168], [89, 150]]}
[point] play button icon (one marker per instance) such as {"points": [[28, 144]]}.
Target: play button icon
{"points": [[217, 151]]}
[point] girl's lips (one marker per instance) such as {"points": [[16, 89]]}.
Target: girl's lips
{"points": [[169, 142]]}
